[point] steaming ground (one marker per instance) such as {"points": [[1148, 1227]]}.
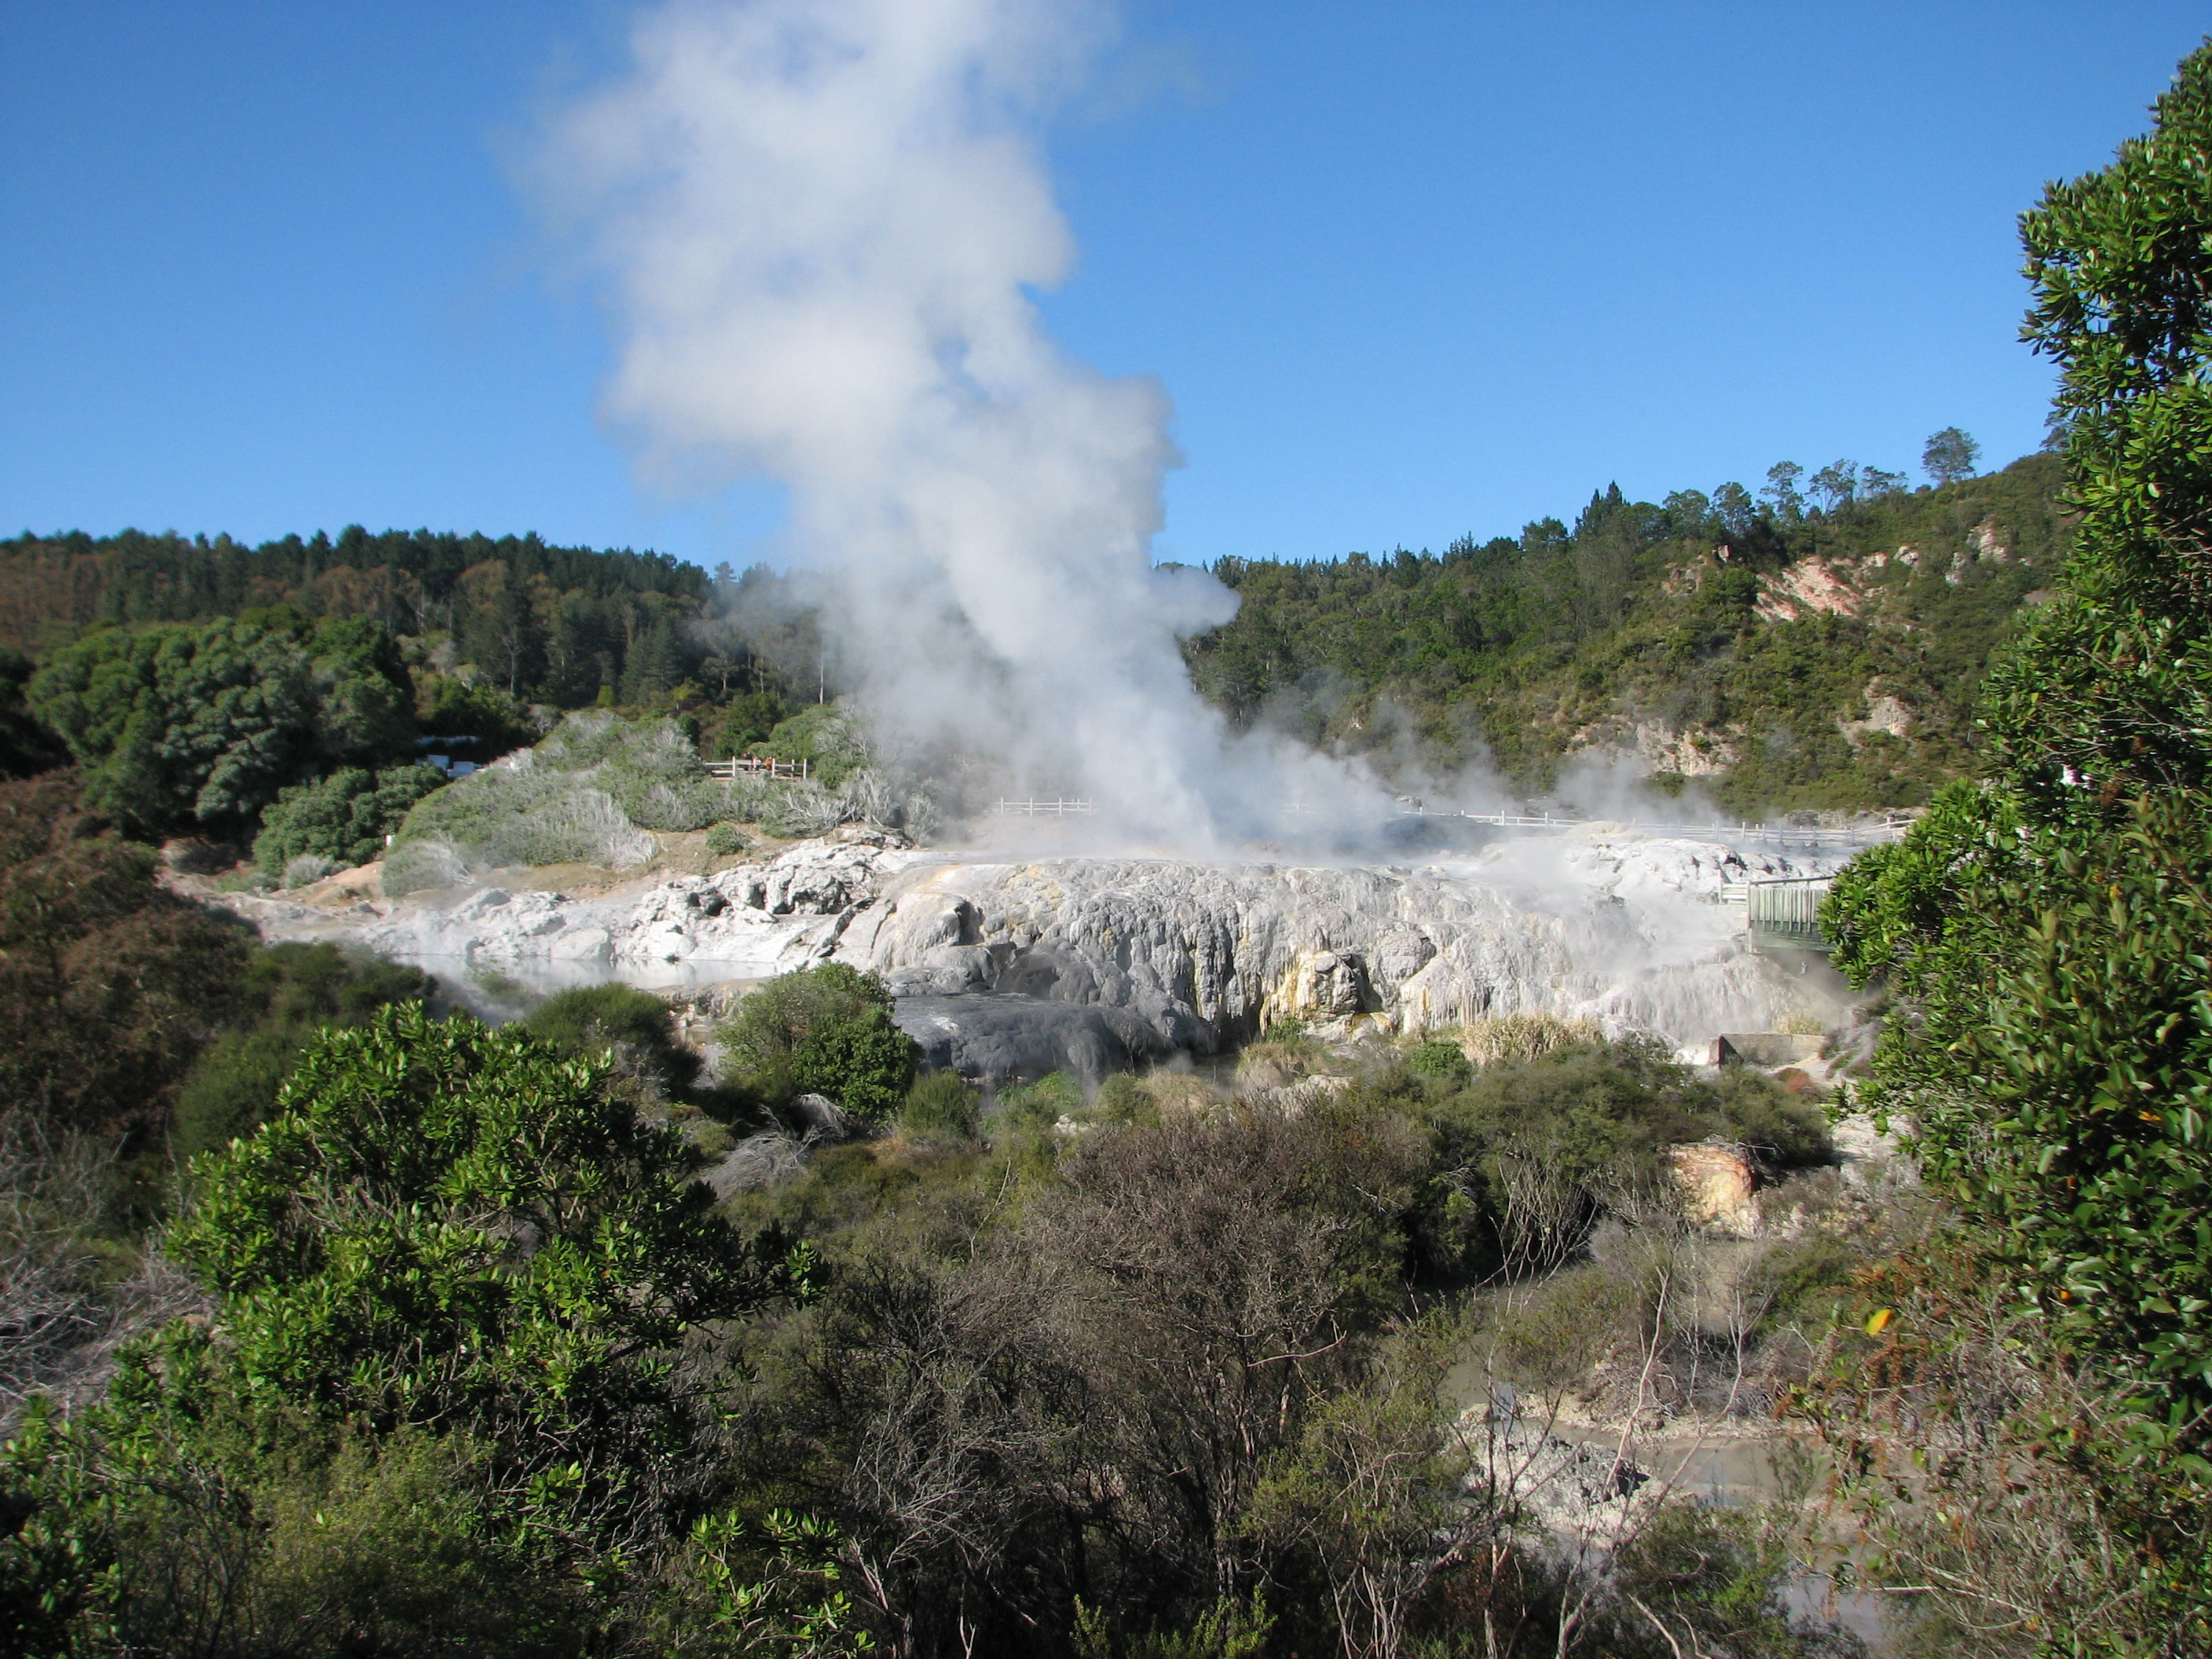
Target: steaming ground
{"points": [[1029, 957], [817, 225]]}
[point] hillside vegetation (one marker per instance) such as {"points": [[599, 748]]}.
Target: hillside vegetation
{"points": [[1788, 655], [1785, 653]]}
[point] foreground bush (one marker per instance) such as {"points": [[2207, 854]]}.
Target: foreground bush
{"points": [[442, 1407], [822, 1031]]}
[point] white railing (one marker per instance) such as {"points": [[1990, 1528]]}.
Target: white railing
{"points": [[1058, 807], [1812, 836]]}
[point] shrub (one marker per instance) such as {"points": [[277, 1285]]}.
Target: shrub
{"points": [[634, 1028], [344, 817], [306, 870], [727, 841], [1522, 1036], [827, 738], [941, 1106], [1043, 1102], [1534, 1152], [826, 1029], [801, 809], [294, 992], [1440, 1062], [364, 1242], [587, 794], [109, 986]]}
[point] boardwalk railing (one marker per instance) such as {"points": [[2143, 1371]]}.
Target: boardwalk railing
{"points": [[752, 766], [1810, 836], [1057, 807]]}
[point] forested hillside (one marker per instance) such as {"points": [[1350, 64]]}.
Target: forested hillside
{"points": [[543, 623], [1790, 654]]}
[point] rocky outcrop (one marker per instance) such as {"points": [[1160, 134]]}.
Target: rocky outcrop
{"points": [[1810, 587], [748, 923], [1008, 967], [1619, 928], [1719, 1183]]}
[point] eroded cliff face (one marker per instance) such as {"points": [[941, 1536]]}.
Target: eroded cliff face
{"points": [[1006, 966]]}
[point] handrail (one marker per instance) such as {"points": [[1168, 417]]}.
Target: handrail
{"points": [[757, 766]]}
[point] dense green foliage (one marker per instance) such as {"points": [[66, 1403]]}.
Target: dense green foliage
{"points": [[445, 1224], [2051, 927], [630, 1030], [457, 1279], [287, 995], [2048, 935], [528, 615], [561, 625], [1533, 1154], [824, 1030], [942, 1106], [203, 725], [342, 818], [1649, 617]]}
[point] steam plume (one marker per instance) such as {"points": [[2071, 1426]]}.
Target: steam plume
{"points": [[821, 220]]}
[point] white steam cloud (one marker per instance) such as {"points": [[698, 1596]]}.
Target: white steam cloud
{"points": [[821, 220]]}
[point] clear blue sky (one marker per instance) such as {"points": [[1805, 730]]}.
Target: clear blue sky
{"points": [[1408, 270]]}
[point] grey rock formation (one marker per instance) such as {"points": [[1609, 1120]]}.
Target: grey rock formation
{"points": [[1009, 967], [1619, 928], [744, 923], [1000, 1038]]}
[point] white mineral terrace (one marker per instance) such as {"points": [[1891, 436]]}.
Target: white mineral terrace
{"points": [[1140, 958]]}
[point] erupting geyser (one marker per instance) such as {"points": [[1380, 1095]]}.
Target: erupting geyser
{"points": [[819, 220]]}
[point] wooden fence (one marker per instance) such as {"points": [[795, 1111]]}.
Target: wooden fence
{"points": [[752, 766]]}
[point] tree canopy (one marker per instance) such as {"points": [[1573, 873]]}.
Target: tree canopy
{"points": [[204, 724]]}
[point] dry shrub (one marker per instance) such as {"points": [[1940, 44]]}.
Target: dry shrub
{"points": [[1278, 1063], [1521, 1037], [1178, 1091]]}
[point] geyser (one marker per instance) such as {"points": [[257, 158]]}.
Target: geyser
{"points": [[819, 222]]}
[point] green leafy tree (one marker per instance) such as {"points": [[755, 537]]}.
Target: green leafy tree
{"points": [[2047, 935], [1949, 456], [1837, 484], [1782, 489], [204, 724], [826, 1029], [344, 817], [443, 1220], [2045, 928]]}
